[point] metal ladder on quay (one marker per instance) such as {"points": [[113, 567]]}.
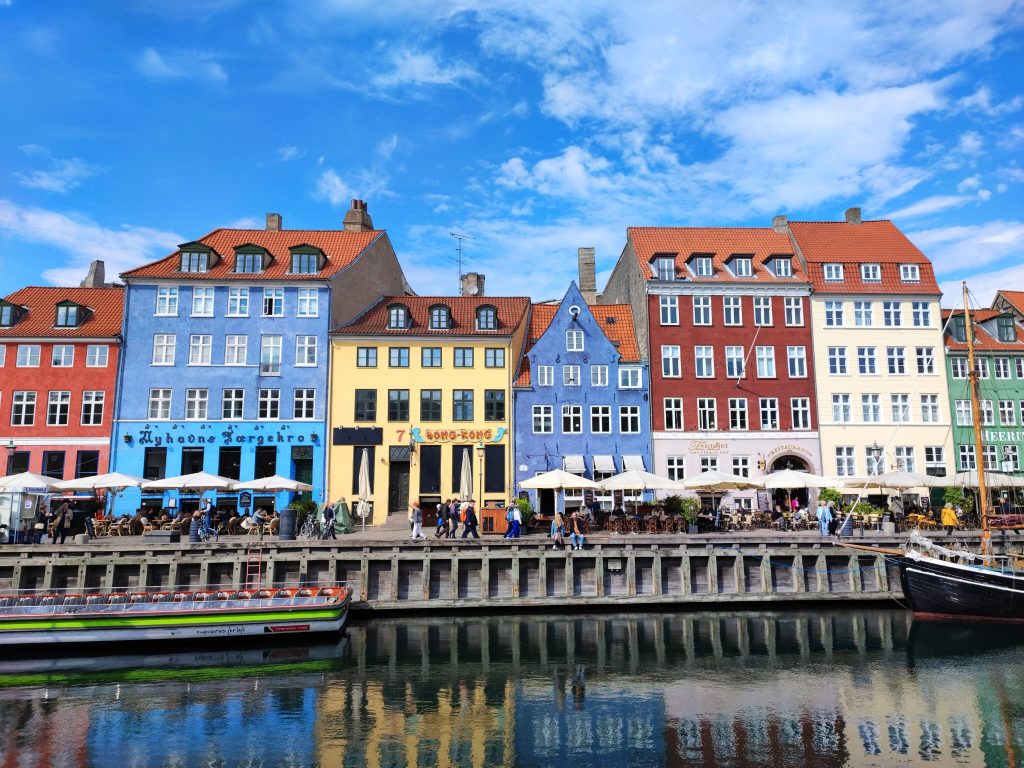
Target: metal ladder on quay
{"points": [[253, 566]]}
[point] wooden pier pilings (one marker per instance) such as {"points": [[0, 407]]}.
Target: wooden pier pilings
{"points": [[527, 574]]}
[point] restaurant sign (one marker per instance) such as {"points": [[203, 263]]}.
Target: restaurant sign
{"points": [[431, 435], [157, 437]]}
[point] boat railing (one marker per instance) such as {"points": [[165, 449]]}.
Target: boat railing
{"points": [[185, 598], [1007, 563]]}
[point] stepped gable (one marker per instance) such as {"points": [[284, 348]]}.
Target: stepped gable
{"points": [[340, 248], [722, 243], [868, 242], [510, 311], [105, 307]]}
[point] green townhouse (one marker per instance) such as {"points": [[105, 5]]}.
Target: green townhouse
{"points": [[999, 357]]}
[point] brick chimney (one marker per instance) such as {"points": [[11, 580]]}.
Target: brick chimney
{"points": [[588, 278], [853, 216], [472, 284], [96, 277], [780, 224], [357, 219], [273, 222]]}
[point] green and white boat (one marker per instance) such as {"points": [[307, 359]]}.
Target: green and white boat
{"points": [[119, 617]]}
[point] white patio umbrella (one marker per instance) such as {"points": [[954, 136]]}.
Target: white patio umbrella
{"points": [[273, 483], [713, 480], [992, 479], [197, 481], [791, 478], [901, 480], [466, 477], [638, 479], [558, 480], [26, 481], [109, 481], [365, 492]]}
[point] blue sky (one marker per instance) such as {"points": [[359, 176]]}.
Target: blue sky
{"points": [[535, 128]]}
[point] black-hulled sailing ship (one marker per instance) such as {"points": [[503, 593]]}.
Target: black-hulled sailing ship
{"points": [[939, 582]]}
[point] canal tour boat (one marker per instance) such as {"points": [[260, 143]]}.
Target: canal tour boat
{"points": [[119, 617], [948, 583]]}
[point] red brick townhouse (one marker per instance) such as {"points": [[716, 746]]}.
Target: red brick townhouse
{"points": [[58, 373], [723, 314]]}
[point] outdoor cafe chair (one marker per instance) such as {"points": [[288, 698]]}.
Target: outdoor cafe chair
{"points": [[633, 525]]}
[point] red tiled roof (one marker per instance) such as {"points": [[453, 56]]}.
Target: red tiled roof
{"points": [[339, 246], [616, 320], [1014, 299], [463, 310], [984, 338], [722, 242], [870, 242], [103, 321]]}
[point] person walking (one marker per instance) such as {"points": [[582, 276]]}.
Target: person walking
{"points": [[328, 531], [62, 523], [470, 520], [455, 516], [824, 519], [417, 521], [576, 537], [517, 522], [949, 520], [442, 522]]}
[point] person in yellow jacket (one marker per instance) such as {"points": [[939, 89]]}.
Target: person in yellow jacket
{"points": [[949, 520]]}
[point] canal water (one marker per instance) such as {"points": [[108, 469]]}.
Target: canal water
{"points": [[850, 688]]}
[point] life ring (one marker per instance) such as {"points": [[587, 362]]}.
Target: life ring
{"points": [[264, 594], [328, 592], [243, 595], [201, 596], [305, 593], [222, 596], [285, 593]]}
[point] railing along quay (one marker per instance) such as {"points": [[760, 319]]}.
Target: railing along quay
{"points": [[438, 575]]}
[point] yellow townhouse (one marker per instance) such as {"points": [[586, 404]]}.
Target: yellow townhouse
{"points": [[420, 386]]}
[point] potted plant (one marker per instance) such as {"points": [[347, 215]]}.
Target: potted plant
{"points": [[687, 508]]}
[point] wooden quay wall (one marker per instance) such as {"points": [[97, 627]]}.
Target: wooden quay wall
{"points": [[701, 572]]}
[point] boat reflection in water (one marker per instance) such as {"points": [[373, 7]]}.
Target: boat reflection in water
{"points": [[851, 688]]}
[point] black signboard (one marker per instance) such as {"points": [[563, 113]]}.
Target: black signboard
{"points": [[764, 501], [245, 499], [358, 436]]}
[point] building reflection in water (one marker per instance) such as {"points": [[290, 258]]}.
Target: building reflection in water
{"points": [[736, 689]]}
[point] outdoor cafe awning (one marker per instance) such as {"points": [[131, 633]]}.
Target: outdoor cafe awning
{"points": [[604, 463], [632, 462], [574, 463]]}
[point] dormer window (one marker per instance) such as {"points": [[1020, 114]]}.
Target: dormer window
{"points": [[486, 319], [440, 318], [398, 316], [782, 266], [871, 273], [9, 314], [250, 261], [702, 266], [910, 273], [1006, 328], [665, 267], [742, 266], [833, 273], [69, 315], [195, 261], [307, 261], [959, 328]]}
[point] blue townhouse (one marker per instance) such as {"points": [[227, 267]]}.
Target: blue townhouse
{"points": [[581, 397], [225, 358]]}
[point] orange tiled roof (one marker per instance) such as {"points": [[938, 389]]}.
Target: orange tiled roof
{"points": [[984, 339], [1015, 299], [104, 320], [463, 311], [616, 320], [722, 243], [870, 242], [340, 247]]}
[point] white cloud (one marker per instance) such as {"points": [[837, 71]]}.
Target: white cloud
{"points": [[929, 205], [83, 240], [62, 175], [970, 183], [363, 184], [331, 188], [983, 285], [970, 144], [575, 173], [245, 222], [385, 147], [960, 249], [184, 65], [418, 68], [289, 153], [981, 102]]}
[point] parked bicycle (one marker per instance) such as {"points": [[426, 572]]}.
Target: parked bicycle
{"points": [[310, 528]]}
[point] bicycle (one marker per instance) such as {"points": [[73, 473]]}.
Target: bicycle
{"points": [[310, 528]]}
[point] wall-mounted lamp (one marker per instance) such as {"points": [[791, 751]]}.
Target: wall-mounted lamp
{"points": [[314, 437], [127, 439], [11, 448]]}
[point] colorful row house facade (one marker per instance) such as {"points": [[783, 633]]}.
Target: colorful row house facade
{"points": [[581, 397], [59, 352], [226, 355], [421, 387], [883, 397], [999, 357], [724, 314]]}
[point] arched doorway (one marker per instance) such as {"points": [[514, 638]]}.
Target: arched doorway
{"points": [[782, 496]]}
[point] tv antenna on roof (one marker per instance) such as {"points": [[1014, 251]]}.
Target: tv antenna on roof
{"points": [[458, 249]]}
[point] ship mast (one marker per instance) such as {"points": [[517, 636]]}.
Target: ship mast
{"points": [[973, 376]]}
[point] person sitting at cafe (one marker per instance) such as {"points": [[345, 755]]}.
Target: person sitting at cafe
{"points": [[576, 528]]}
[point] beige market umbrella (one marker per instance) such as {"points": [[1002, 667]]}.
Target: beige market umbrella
{"points": [[992, 479], [273, 483], [26, 481], [713, 480], [466, 477], [197, 481], [109, 481], [364, 489], [639, 480], [558, 480]]}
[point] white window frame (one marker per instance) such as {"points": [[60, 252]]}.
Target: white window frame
{"points": [[900, 403], [308, 302], [200, 349], [160, 399], [668, 307], [732, 310], [702, 313], [863, 314], [166, 301], [306, 351], [96, 356], [62, 399], [703, 266], [871, 408], [202, 301], [765, 362], [800, 413], [629, 419], [833, 273], [910, 273], [572, 415], [704, 362], [238, 302], [574, 340], [271, 354], [763, 315], [734, 363], [743, 266], [164, 351], [867, 361], [232, 406], [545, 375], [28, 356], [707, 414], [768, 408], [601, 419], [783, 266], [738, 416], [66, 358], [630, 377], [274, 298], [930, 409], [794, 306], [571, 376], [834, 311], [236, 349], [304, 404], [841, 413], [268, 406], [543, 416], [796, 362], [672, 410], [671, 365], [599, 375], [892, 314], [197, 404], [871, 273], [93, 405]]}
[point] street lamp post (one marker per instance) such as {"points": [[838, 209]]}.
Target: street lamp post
{"points": [[480, 461], [11, 448], [876, 456]]}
